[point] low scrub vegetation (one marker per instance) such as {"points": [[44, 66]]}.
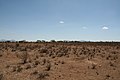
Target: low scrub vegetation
{"points": [[59, 60]]}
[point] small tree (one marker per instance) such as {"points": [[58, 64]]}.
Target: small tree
{"points": [[43, 41], [52, 41], [38, 41], [23, 41]]}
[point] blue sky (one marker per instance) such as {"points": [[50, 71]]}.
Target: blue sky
{"points": [[60, 19]]}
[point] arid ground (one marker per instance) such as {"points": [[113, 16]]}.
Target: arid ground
{"points": [[60, 61]]}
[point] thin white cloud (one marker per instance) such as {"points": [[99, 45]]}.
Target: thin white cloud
{"points": [[61, 22], [84, 28], [105, 28]]}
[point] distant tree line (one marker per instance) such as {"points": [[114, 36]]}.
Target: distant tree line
{"points": [[51, 41]]}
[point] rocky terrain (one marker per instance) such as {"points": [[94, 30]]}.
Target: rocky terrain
{"points": [[60, 61]]}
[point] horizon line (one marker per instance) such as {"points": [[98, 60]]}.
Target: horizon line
{"points": [[60, 40]]}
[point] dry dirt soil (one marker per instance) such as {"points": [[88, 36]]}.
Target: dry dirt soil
{"points": [[59, 61]]}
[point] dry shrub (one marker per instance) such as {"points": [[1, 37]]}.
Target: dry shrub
{"points": [[23, 49], [60, 54], [27, 66], [22, 56], [42, 75], [36, 62], [92, 66], [38, 75], [43, 61], [43, 50], [15, 68], [61, 62], [48, 67], [1, 76]]}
